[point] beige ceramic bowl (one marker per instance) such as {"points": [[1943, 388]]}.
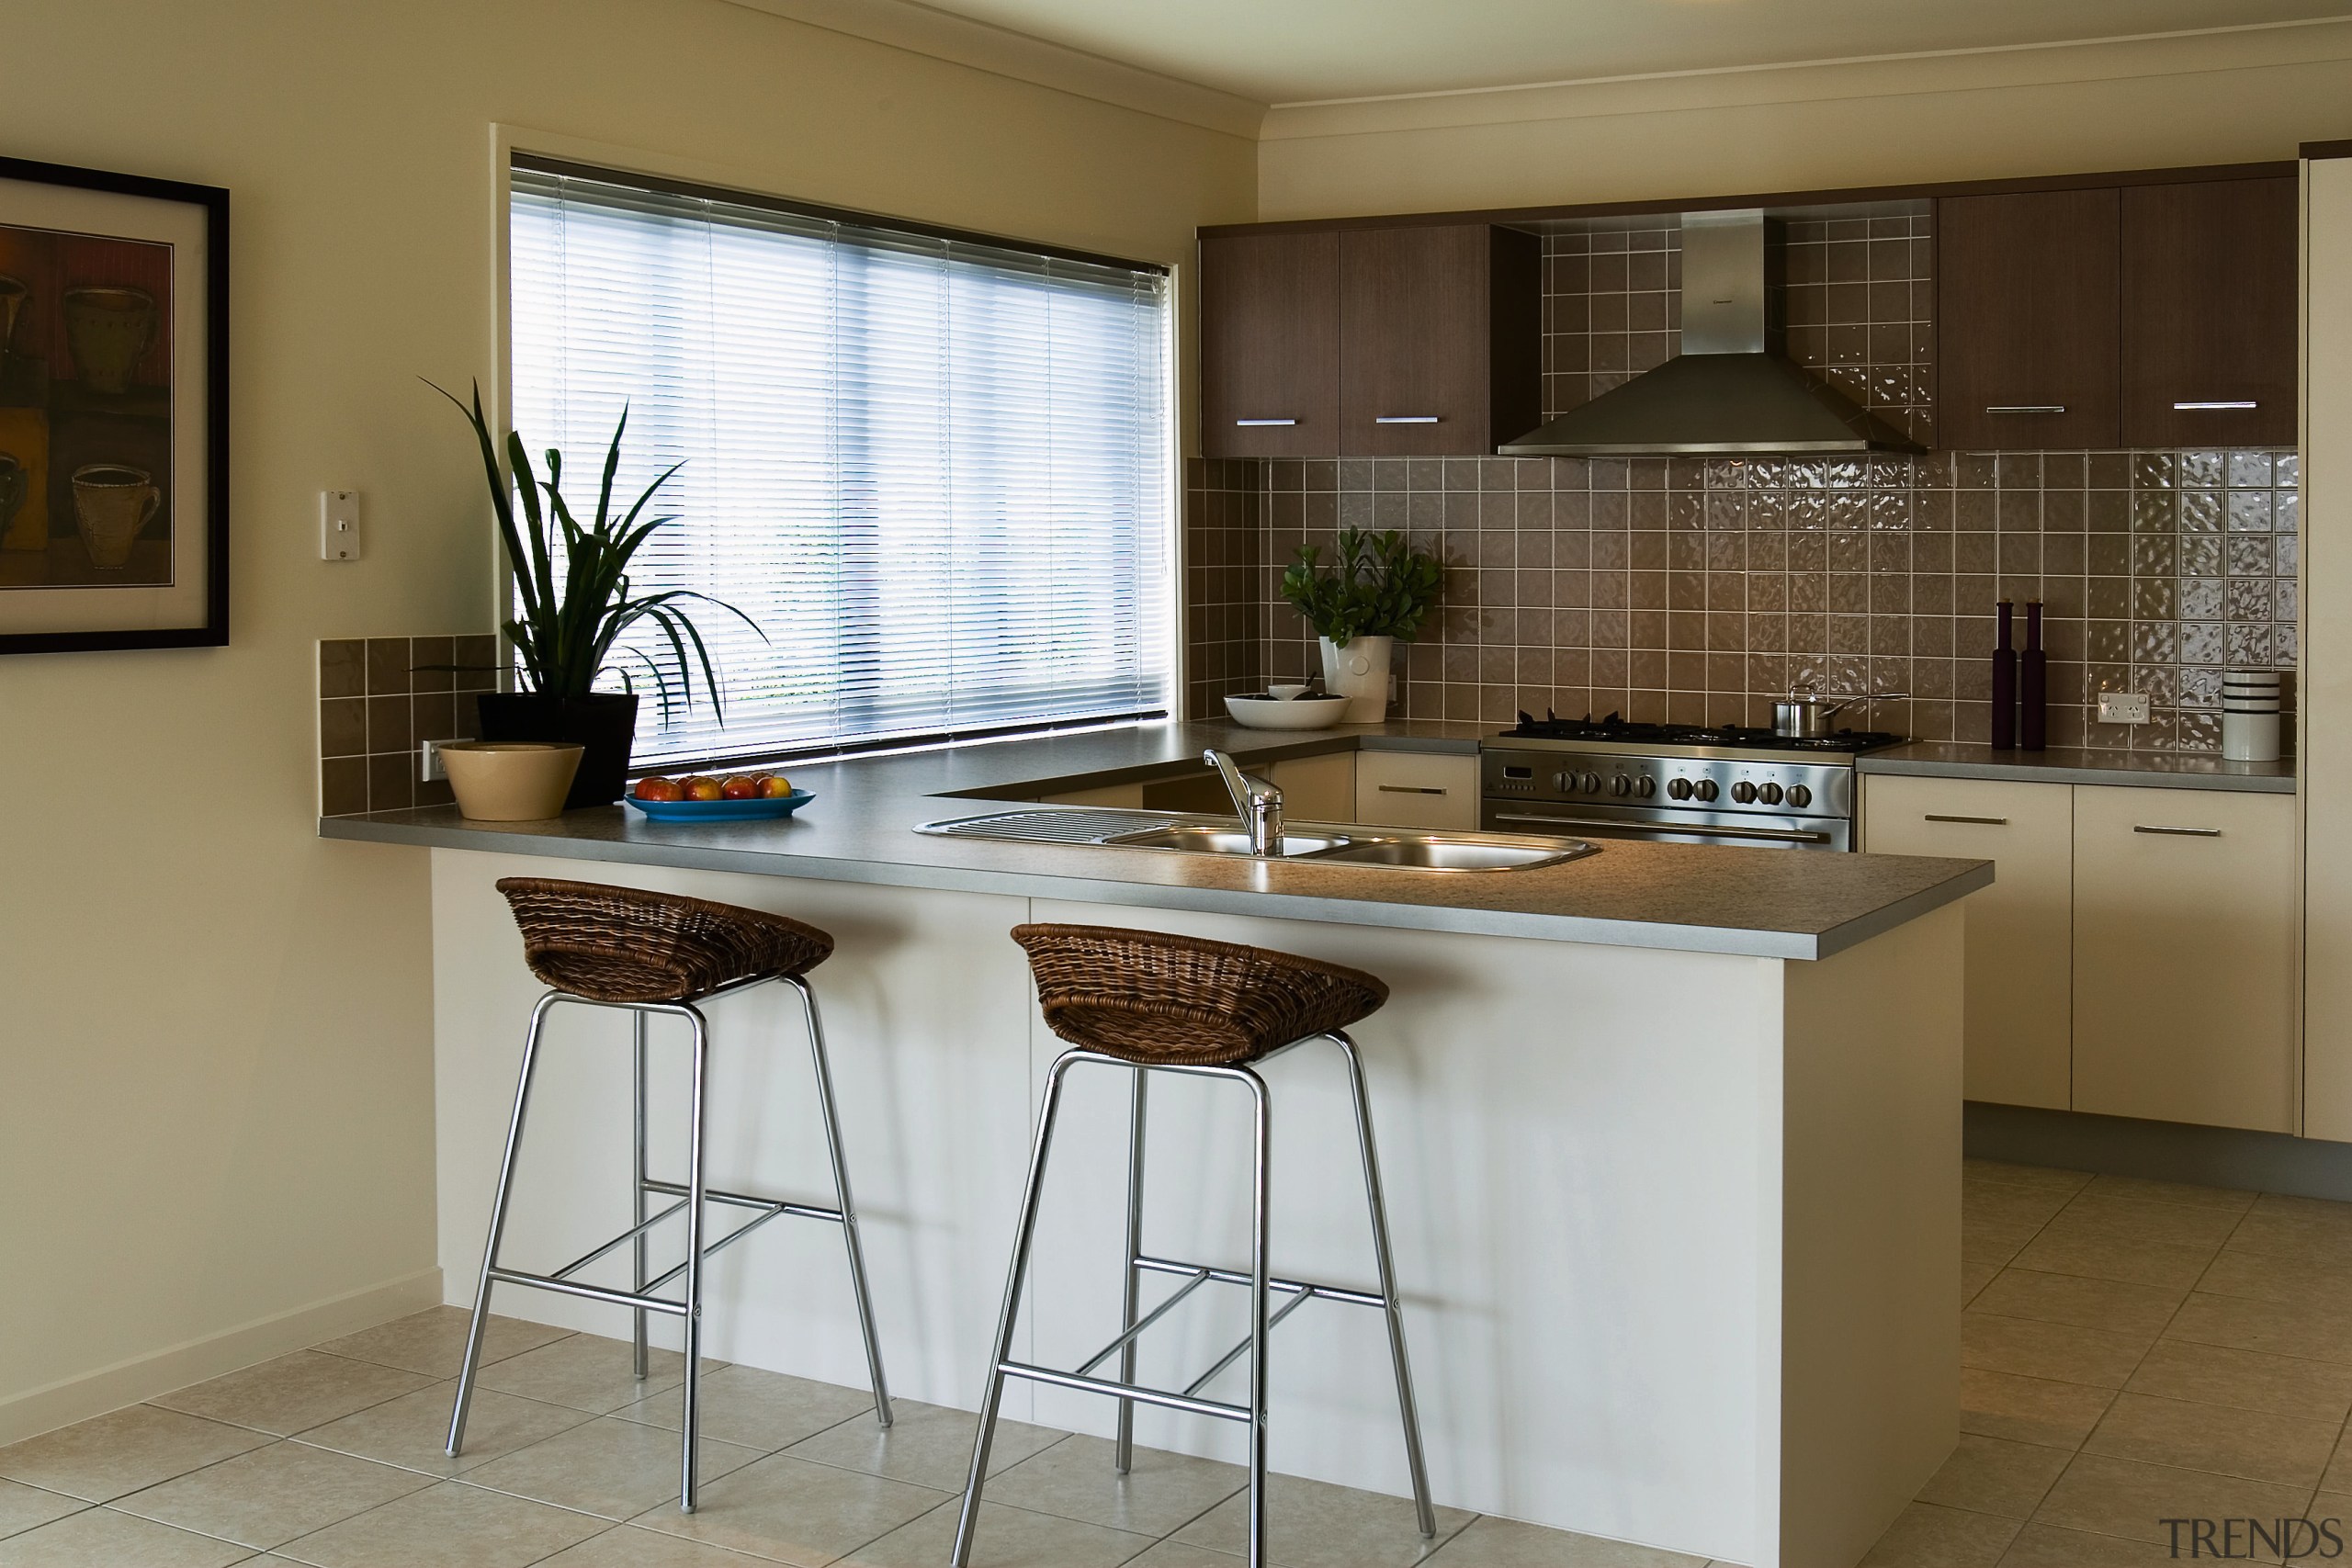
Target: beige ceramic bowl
{"points": [[510, 781]]}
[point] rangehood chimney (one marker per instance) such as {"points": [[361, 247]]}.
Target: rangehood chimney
{"points": [[1724, 394]]}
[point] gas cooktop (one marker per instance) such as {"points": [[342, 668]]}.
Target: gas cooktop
{"points": [[1551, 727]]}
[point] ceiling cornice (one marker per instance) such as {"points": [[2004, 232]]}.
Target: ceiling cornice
{"points": [[921, 29]]}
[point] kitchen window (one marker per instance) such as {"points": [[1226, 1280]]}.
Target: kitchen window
{"points": [[933, 469]]}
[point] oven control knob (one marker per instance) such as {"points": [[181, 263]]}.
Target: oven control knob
{"points": [[1769, 794], [1800, 797], [1679, 789], [1744, 793], [1706, 789], [1644, 787], [1621, 786], [1589, 783]]}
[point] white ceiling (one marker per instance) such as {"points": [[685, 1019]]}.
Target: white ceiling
{"points": [[1289, 52]]}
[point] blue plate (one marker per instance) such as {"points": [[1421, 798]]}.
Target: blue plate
{"points": [[721, 810]]}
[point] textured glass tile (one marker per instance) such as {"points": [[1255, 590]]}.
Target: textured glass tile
{"points": [[2200, 555], [1723, 473], [2250, 511], [2111, 599], [2286, 511], [2201, 510], [2249, 470], [1891, 511], [2020, 511], [2154, 512], [2250, 599], [2151, 471], [2155, 642], [2155, 599], [2250, 555], [1975, 470], [1975, 510], [2200, 642], [2200, 467], [2290, 553], [1685, 513], [2286, 470], [2160, 683], [1767, 509], [2290, 602], [2201, 598], [2200, 687], [2197, 731], [2283, 647], [2109, 642], [1889, 472], [1847, 473], [2155, 556], [2019, 470], [1766, 473], [1727, 510], [1849, 508]]}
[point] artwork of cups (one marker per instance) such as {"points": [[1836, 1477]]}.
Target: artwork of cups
{"points": [[108, 330], [112, 502]]}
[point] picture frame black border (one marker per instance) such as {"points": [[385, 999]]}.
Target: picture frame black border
{"points": [[214, 200]]}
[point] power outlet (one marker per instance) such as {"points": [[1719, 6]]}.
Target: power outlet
{"points": [[429, 759], [2122, 708]]}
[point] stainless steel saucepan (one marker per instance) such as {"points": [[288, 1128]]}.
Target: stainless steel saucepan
{"points": [[1805, 716]]}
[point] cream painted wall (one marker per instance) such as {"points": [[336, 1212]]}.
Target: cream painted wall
{"points": [[2152, 104], [216, 1051]]}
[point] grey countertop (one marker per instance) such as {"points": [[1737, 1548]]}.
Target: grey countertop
{"points": [[1763, 903], [2062, 765]]}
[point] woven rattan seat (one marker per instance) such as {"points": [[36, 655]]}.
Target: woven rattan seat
{"points": [[1148, 998], [623, 945]]}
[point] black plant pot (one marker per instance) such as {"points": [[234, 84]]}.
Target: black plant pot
{"points": [[604, 723]]}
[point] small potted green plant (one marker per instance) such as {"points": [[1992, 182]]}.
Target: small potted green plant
{"points": [[573, 601], [1377, 592]]}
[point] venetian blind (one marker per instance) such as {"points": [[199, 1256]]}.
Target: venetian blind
{"points": [[933, 471]]}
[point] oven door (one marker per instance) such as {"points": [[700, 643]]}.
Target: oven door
{"points": [[1670, 825]]}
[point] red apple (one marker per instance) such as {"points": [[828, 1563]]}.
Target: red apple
{"points": [[698, 787], [742, 786], [659, 788], [775, 786]]}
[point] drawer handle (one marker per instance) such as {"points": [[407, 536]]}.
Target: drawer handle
{"points": [[1408, 789], [2025, 408], [2178, 833], [1404, 419], [2215, 406], [1255, 423], [1987, 822]]}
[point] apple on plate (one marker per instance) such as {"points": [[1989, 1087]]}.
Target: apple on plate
{"points": [[659, 788], [775, 786], [742, 786], [698, 787]]}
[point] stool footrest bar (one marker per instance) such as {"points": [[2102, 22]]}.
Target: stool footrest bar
{"points": [[1286, 1287], [1127, 1391], [577, 1264], [591, 1292], [729, 1239], [1200, 1276], [746, 1201], [1242, 1349]]}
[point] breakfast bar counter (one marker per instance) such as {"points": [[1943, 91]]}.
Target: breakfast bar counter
{"points": [[1672, 1136]]}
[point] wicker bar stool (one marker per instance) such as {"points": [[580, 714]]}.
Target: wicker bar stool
{"points": [[1153, 1003], [656, 953]]}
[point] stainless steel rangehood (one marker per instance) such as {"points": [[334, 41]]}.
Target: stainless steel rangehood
{"points": [[1723, 393]]}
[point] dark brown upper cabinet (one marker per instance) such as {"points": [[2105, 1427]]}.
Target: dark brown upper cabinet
{"points": [[1270, 345], [2026, 321], [1440, 332], [2209, 314]]}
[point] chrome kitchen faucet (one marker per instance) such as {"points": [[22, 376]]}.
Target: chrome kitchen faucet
{"points": [[1258, 803]]}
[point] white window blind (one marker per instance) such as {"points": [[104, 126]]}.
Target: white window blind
{"points": [[933, 471]]}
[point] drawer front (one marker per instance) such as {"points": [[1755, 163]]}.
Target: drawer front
{"points": [[1417, 789], [2020, 982]]}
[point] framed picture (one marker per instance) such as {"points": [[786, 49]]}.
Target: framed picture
{"points": [[114, 411]]}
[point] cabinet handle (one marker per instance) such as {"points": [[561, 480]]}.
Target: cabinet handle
{"points": [[1987, 822], [2210, 407], [1404, 419], [2178, 833], [1408, 789], [1253, 423], [2025, 408]]}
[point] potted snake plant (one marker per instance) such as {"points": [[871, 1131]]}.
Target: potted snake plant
{"points": [[1375, 593], [574, 599]]}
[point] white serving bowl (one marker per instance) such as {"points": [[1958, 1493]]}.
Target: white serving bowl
{"points": [[1297, 712]]}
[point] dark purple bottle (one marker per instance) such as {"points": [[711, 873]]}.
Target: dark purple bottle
{"points": [[2004, 684], [2033, 685]]}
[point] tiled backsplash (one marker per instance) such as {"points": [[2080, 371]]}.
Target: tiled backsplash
{"points": [[382, 697]]}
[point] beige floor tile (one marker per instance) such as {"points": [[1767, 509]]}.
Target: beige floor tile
{"points": [[792, 1511], [2087, 1303], [2228, 1200], [2045, 1177], [292, 1392], [1993, 1475], [606, 1466], [22, 1508], [433, 1341], [100, 1537], [2215, 1438], [626, 1546], [1074, 1479], [1507, 1543], [409, 1431], [123, 1451], [2030, 1410], [2081, 1247], [2126, 1497], [2336, 1508], [1313, 1524], [2319, 1330], [1996, 1203], [449, 1525], [1925, 1536], [2240, 1271], [2056, 1351], [928, 1445], [1974, 1276], [2136, 1220], [2338, 1478], [1176, 1554], [589, 1371], [2045, 1546], [2211, 1374], [1004, 1538], [1994, 1243], [268, 1497], [2295, 1226], [758, 1409]]}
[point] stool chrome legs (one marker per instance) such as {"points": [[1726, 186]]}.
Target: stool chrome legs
{"points": [[842, 1197], [1123, 1452], [637, 1275], [1395, 1309]]}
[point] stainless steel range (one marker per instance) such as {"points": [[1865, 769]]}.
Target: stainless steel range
{"points": [[1673, 782]]}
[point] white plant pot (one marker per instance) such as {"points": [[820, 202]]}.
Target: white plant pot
{"points": [[1360, 673]]}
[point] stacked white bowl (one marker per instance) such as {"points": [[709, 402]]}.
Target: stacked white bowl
{"points": [[2250, 715]]}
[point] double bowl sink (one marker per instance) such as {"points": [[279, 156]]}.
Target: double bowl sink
{"points": [[1410, 848]]}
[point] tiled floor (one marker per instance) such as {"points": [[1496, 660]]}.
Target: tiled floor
{"points": [[2132, 1351]]}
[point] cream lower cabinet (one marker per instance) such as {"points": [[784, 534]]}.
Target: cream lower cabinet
{"points": [[2185, 970], [2021, 976], [1417, 789], [1317, 789]]}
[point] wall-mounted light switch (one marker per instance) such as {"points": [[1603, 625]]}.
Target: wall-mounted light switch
{"points": [[338, 524], [2122, 708]]}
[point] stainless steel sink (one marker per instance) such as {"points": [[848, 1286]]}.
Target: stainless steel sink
{"points": [[1456, 851], [1318, 844], [1205, 839]]}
